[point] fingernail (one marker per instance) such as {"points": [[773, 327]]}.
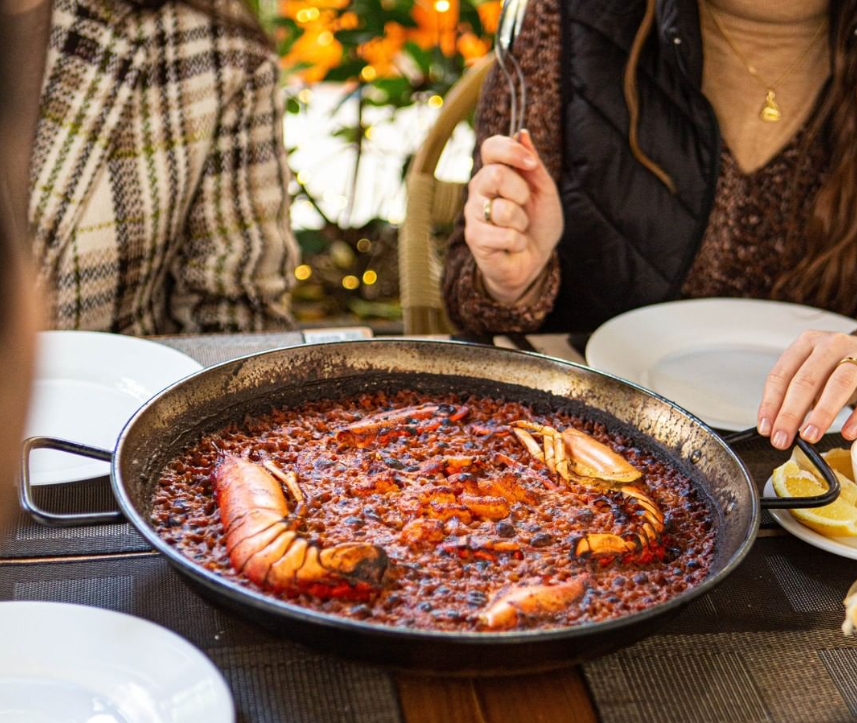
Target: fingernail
{"points": [[780, 440], [849, 431], [530, 162], [810, 433], [764, 426]]}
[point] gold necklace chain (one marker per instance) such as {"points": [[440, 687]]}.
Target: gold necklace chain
{"points": [[770, 112]]}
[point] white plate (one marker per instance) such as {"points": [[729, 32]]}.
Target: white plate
{"points": [[73, 664], [710, 356], [87, 386], [842, 546]]}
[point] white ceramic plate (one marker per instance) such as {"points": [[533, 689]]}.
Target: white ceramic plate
{"points": [[710, 356], [843, 546], [73, 664], [87, 386]]}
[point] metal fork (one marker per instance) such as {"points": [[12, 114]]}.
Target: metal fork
{"points": [[508, 27]]}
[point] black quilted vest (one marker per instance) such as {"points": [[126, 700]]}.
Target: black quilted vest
{"points": [[628, 241]]}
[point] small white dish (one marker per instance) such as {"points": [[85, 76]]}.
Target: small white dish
{"points": [[842, 546], [87, 385], [64, 663], [710, 356]]}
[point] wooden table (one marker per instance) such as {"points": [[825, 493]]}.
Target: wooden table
{"points": [[543, 698]]}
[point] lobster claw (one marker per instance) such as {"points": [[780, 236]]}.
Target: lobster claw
{"points": [[355, 561]]}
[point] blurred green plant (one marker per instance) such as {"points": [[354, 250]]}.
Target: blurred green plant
{"points": [[390, 54]]}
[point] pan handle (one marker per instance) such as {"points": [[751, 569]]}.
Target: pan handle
{"points": [[58, 519], [781, 503]]}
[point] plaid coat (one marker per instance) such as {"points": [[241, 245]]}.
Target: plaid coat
{"points": [[158, 173]]}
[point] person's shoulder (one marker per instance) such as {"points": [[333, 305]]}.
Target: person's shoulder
{"points": [[220, 36], [227, 24]]}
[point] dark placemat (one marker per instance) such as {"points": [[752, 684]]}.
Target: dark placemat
{"points": [[22, 537], [764, 646], [272, 680]]}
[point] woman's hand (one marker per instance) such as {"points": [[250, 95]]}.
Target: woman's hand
{"points": [[525, 216], [809, 376]]}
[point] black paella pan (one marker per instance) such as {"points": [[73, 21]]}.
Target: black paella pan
{"points": [[209, 399]]}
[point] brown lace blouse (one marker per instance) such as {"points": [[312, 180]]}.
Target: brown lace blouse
{"points": [[742, 252]]}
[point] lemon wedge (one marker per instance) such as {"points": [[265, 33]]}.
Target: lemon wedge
{"points": [[838, 519], [839, 460]]}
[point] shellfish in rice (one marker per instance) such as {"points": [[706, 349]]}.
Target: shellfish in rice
{"points": [[263, 546]]}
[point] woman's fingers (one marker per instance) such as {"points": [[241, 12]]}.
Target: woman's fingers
{"points": [[538, 175], [498, 180], [506, 214], [835, 395], [806, 386], [509, 152], [849, 429], [778, 381], [500, 213], [808, 383], [485, 238]]}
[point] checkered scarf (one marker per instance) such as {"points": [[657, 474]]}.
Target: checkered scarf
{"points": [[159, 176]]}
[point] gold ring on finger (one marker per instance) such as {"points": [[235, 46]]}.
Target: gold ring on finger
{"points": [[486, 211], [847, 360]]}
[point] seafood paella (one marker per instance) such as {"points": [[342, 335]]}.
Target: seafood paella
{"points": [[446, 512]]}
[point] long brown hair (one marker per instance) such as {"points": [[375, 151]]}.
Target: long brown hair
{"points": [[825, 249]]}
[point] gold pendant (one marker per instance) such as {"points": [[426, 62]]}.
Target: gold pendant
{"points": [[770, 111]]}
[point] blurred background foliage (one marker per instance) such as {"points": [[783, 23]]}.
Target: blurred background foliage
{"points": [[374, 54]]}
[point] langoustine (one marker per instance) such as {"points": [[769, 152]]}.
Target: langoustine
{"points": [[406, 422], [263, 546]]}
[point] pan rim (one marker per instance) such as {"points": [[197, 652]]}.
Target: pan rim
{"points": [[260, 601]]}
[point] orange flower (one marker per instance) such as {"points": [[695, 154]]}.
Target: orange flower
{"points": [[437, 22], [489, 15], [294, 8], [381, 52], [348, 21], [316, 48], [472, 47]]}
